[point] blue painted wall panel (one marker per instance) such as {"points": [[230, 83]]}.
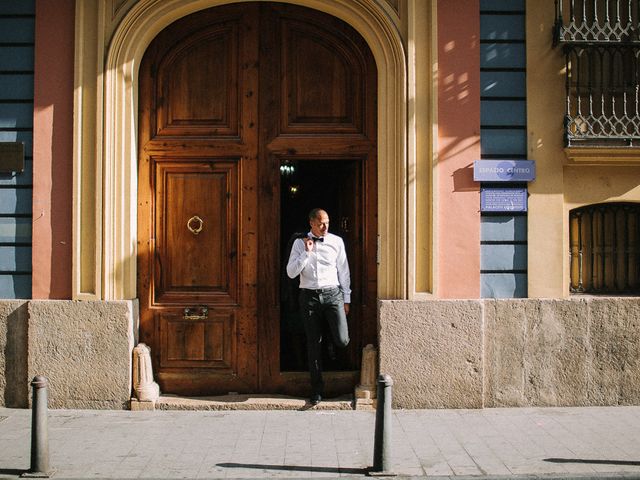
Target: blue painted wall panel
{"points": [[16, 30], [15, 201], [17, 27], [503, 84], [15, 286], [16, 115], [15, 230], [502, 27], [503, 257], [16, 87], [503, 142], [500, 55], [15, 259], [503, 113], [17, 7], [16, 58], [502, 5], [504, 285], [503, 229], [503, 105]]}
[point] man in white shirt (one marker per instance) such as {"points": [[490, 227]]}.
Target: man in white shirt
{"points": [[325, 291]]}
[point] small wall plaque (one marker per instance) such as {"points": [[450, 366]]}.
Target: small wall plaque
{"points": [[503, 199], [11, 157], [504, 170]]}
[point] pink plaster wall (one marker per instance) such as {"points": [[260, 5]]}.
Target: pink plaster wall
{"points": [[53, 149], [458, 211]]}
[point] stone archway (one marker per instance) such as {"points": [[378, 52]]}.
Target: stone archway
{"points": [[105, 138]]}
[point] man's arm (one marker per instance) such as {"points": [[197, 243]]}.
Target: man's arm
{"points": [[344, 277], [298, 258]]}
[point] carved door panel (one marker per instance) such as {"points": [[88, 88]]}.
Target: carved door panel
{"points": [[197, 209], [198, 226]]}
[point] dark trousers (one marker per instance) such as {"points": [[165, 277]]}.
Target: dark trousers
{"points": [[317, 307]]}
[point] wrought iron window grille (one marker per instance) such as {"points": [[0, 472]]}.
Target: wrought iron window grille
{"points": [[601, 44], [604, 253]]}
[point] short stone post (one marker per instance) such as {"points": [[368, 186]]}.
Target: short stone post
{"points": [[382, 441], [39, 430], [366, 391], [146, 390]]}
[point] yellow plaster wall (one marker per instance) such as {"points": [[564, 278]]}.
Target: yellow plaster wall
{"points": [[545, 111], [598, 184], [565, 178]]}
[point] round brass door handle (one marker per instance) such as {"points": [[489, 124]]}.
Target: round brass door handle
{"points": [[195, 224]]}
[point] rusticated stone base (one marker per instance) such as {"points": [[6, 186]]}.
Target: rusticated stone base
{"points": [[82, 347], [508, 353], [433, 352], [441, 353], [578, 352]]}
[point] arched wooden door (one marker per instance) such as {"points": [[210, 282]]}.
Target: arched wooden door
{"points": [[228, 96]]}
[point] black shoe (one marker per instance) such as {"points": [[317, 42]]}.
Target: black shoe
{"points": [[315, 399]]}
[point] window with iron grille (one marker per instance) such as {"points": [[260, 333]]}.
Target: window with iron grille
{"points": [[605, 248], [601, 44]]}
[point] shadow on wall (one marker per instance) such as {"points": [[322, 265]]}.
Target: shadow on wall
{"points": [[16, 388], [463, 180], [458, 78]]}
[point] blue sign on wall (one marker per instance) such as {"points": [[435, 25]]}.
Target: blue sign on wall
{"points": [[503, 199], [504, 170]]}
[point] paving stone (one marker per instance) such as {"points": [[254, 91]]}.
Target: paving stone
{"points": [[560, 442]]}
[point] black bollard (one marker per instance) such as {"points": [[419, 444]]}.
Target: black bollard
{"points": [[39, 431], [382, 440]]}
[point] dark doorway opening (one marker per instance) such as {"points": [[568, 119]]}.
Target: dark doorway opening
{"points": [[335, 186]]}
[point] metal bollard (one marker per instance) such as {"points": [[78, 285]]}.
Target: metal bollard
{"points": [[39, 431], [382, 441]]}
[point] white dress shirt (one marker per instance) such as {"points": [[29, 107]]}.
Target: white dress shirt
{"points": [[324, 266]]}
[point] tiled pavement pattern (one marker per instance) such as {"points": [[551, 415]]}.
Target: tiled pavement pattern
{"points": [[535, 442]]}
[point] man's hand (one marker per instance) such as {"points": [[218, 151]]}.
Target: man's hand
{"points": [[308, 244], [346, 309]]}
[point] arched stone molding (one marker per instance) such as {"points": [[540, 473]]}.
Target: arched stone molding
{"points": [[105, 136]]}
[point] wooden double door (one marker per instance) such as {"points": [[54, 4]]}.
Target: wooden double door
{"points": [[250, 115]]}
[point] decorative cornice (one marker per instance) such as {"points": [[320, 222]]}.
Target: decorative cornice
{"points": [[602, 156]]}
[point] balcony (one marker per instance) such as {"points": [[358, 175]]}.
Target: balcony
{"points": [[601, 44]]}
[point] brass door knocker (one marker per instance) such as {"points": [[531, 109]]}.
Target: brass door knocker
{"points": [[195, 224]]}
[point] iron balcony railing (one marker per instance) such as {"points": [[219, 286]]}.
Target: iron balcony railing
{"points": [[601, 43], [596, 21]]}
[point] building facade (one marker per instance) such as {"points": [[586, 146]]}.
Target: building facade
{"points": [[158, 155]]}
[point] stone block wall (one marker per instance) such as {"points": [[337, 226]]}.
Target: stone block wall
{"points": [[83, 348], [576, 352], [440, 353], [433, 352], [512, 353]]}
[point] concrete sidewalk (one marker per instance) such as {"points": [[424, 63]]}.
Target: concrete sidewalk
{"points": [[594, 442]]}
